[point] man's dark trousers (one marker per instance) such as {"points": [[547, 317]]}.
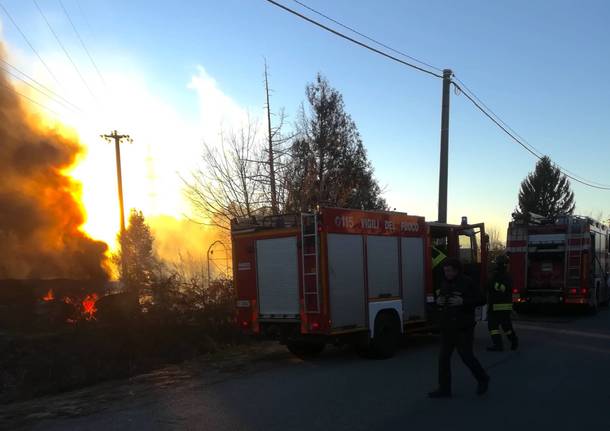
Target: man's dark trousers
{"points": [[461, 340]]}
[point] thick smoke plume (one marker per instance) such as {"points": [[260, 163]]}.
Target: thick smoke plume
{"points": [[40, 212]]}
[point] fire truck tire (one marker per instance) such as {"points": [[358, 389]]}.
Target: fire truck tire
{"points": [[305, 349], [386, 339]]}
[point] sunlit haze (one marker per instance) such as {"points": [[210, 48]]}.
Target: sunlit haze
{"points": [[176, 74]]}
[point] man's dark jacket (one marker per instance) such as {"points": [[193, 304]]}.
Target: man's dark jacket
{"points": [[462, 316]]}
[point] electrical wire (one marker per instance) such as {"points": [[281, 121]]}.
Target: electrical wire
{"points": [[463, 87], [82, 42], [33, 87], [350, 39], [54, 112], [367, 37], [64, 49], [478, 103], [41, 87], [10, 17], [521, 143], [539, 154]]}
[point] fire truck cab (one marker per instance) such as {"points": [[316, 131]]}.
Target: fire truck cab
{"points": [[345, 276], [564, 260]]}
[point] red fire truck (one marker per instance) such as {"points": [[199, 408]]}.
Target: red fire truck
{"points": [[344, 276], [562, 260]]}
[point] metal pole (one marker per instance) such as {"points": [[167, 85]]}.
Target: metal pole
{"points": [[208, 256], [444, 162]]}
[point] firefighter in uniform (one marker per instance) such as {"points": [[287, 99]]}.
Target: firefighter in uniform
{"points": [[500, 306], [456, 300]]}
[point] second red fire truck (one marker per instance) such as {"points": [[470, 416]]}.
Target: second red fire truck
{"points": [[345, 276], [563, 260]]}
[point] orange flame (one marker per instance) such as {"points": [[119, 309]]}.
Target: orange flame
{"points": [[49, 296], [89, 308]]}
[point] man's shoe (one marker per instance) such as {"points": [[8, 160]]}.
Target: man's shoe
{"points": [[483, 386], [440, 393], [495, 348]]}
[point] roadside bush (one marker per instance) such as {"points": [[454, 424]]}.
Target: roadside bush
{"points": [[36, 365]]}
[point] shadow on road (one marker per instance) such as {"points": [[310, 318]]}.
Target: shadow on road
{"points": [[349, 354], [556, 314]]}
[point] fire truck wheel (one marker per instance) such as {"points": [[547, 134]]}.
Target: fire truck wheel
{"points": [[386, 340], [305, 349]]}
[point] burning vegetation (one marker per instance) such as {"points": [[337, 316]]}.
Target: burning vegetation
{"points": [[62, 323], [74, 307], [41, 217]]}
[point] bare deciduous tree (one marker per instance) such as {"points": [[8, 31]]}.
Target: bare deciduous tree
{"points": [[496, 245], [228, 183]]}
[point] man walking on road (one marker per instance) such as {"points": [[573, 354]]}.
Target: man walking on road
{"points": [[500, 306], [457, 299]]}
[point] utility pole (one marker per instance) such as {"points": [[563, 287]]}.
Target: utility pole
{"points": [[444, 164], [274, 209], [117, 139]]}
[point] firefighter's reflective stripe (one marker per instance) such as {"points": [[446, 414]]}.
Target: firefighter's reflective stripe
{"points": [[503, 307], [499, 287], [495, 332], [437, 257]]}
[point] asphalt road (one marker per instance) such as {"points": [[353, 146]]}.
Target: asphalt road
{"points": [[559, 380]]}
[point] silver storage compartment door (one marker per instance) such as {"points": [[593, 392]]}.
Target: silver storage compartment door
{"points": [[382, 266], [413, 289], [346, 280], [278, 276]]}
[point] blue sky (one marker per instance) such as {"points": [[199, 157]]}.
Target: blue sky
{"points": [[542, 66]]}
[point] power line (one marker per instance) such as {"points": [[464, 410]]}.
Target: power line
{"points": [[464, 89], [32, 100], [367, 37], [82, 12], [63, 48], [357, 42], [29, 44], [540, 153], [33, 87], [468, 93], [82, 42], [519, 141], [41, 87]]}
